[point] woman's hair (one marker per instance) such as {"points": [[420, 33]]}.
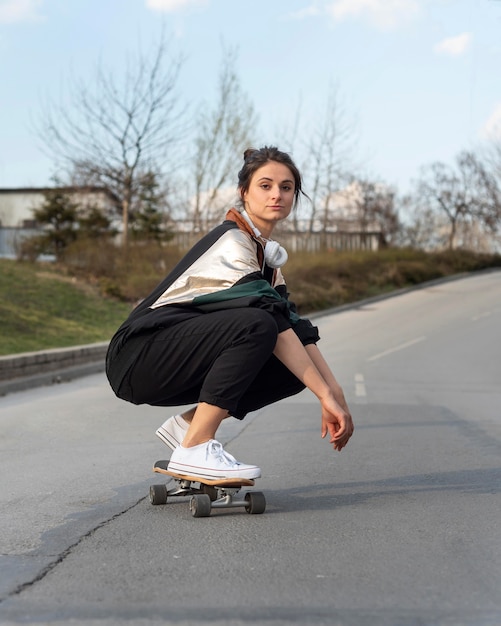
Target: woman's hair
{"points": [[255, 159]]}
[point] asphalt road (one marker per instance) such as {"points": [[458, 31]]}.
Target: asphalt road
{"points": [[402, 527]]}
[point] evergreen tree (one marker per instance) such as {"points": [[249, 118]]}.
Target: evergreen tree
{"points": [[94, 224], [58, 214], [147, 222]]}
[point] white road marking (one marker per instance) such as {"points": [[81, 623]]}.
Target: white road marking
{"points": [[360, 390], [402, 346]]}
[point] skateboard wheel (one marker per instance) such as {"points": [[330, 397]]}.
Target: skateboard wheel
{"points": [[158, 494], [200, 505], [210, 491], [256, 502]]}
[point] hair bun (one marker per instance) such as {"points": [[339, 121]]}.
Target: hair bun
{"points": [[249, 152]]}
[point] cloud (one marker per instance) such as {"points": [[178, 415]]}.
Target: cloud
{"points": [[492, 128], [19, 11], [384, 14], [454, 46], [311, 11], [171, 6]]}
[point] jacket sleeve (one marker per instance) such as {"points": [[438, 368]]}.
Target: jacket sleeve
{"points": [[251, 291], [304, 329], [255, 291]]}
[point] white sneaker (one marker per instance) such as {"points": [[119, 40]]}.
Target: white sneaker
{"points": [[173, 431], [210, 461]]}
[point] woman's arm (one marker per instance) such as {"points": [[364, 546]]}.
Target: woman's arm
{"points": [[310, 367], [325, 371]]}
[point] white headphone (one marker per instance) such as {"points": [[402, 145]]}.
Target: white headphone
{"points": [[274, 254]]}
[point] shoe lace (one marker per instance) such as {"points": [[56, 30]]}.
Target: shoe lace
{"points": [[217, 450]]}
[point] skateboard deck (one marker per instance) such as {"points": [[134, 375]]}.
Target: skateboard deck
{"points": [[207, 494], [161, 468]]}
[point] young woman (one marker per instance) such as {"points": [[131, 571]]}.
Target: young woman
{"points": [[220, 332]]}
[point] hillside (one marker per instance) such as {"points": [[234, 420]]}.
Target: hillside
{"points": [[41, 307]]}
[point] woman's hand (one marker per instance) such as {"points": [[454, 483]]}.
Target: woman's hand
{"points": [[310, 367], [336, 422]]}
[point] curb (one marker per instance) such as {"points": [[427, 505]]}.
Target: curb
{"points": [[20, 372]]}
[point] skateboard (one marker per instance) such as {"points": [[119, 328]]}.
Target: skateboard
{"points": [[207, 494]]}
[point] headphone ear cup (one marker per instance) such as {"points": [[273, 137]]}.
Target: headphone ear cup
{"points": [[275, 255]]}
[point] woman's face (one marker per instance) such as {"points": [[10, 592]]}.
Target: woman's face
{"points": [[270, 196]]}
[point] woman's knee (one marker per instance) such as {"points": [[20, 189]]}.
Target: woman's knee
{"points": [[260, 327]]}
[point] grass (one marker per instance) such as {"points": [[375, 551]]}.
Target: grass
{"points": [[43, 307], [331, 279]]}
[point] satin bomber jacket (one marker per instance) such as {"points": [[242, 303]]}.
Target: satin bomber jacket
{"points": [[224, 270]]}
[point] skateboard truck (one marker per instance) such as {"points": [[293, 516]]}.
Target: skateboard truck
{"points": [[207, 495]]}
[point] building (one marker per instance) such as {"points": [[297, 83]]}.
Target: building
{"points": [[17, 205]]}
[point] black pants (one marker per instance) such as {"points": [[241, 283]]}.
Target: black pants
{"points": [[223, 358]]}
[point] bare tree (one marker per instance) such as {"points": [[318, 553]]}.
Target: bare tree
{"points": [[328, 152], [466, 194], [375, 207], [493, 157], [223, 133], [288, 132], [422, 230], [118, 129]]}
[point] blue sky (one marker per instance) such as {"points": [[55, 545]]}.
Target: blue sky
{"points": [[420, 79]]}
